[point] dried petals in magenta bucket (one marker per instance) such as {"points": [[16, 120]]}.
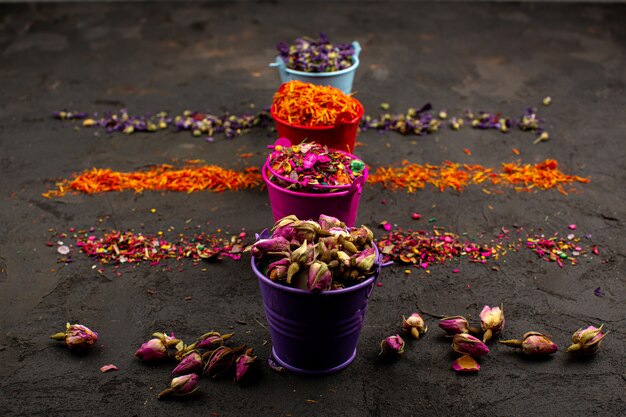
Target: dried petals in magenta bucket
{"points": [[341, 79], [312, 167], [309, 204]]}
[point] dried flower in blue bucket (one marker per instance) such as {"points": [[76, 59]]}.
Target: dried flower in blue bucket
{"points": [[316, 55], [322, 255]]}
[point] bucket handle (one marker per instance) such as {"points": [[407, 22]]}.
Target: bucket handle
{"points": [[357, 48], [381, 265], [284, 142], [357, 185]]}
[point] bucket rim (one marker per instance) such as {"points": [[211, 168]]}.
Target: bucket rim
{"points": [[354, 121], [342, 193], [351, 68], [344, 71]]}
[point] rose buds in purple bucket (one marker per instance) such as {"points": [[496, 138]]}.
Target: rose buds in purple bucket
{"points": [[76, 337]]}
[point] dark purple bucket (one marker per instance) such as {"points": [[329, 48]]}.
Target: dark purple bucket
{"points": [[315, 334]]}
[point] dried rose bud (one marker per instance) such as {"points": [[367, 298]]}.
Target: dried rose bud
{"points": [[465, 364], [243, 365], [347, 245], [366, 259], [491, 321], [328, 222], [212, 340], [273, 246], [288, 232], [319, 278], [277, 270], [343, 258], [391, 347], [361, 236], [466, 344], [339, 231], [414, 325], [152, 350], [308, 230], [220, 361], [587, 341], [181, 386], [76, 336], [287, 220], [192, 363], [534, 344], [454, 325], [302, 254]]}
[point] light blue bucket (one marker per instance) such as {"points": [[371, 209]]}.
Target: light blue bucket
{"points": [[339, 79]]}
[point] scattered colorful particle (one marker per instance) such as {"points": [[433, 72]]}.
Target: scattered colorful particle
{"points": [[523, 177], [161, 178]]}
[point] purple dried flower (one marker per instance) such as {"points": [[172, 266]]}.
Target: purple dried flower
{"points": [[212, 340], [192, 363], [587, 341], [319, 277], [273, 246], [152, 350], [219, 362], [310, 55], [467, 344], [181, 386], [534, 344], [392, 347], [454, 325], [278, 270], [243, 366], [76, 336]]}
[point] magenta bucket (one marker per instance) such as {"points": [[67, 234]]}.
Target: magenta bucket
{"points": [[343, 205], [314, 333]]}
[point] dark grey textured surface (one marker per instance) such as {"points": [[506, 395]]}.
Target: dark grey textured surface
{"points": [[175, 56]]}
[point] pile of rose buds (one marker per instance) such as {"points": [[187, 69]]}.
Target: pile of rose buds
{"points": [[207, 355], [316, 256], [470, 347]]}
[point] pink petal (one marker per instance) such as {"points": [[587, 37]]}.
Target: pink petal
{"points": [[107, 368], [465, 364]]}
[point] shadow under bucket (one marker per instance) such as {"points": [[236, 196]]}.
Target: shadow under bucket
{"points": [[315, 334], [342, 79], [343, 205]]}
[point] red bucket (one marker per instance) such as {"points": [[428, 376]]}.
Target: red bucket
{"points": [[341, 136]]}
